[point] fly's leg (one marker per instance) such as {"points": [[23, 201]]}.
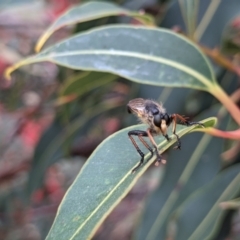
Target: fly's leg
{"points": [[184, 121], [146, 145], [187, 123], [174, 119], [166, 136], [159, 157], [139, 134]]}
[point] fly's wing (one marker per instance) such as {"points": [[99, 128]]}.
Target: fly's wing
{"points": [[137, 106]]}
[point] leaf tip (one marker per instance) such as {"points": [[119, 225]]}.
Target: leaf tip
{"points": [[41, 41], [209, 122], [7, 73], [38, 46]]}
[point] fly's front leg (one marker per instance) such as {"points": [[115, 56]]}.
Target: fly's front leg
{"points": [[167, 137], [139, 134], [159, 157], [187, 123], [184, 121], [174, 119], [163, 125]]}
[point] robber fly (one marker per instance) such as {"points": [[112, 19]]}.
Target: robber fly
{"points": [[155, 116]]}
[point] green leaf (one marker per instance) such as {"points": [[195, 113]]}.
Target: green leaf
{"points": [[230, 43], [84, 82], [205, 208], [103, 181], [189, 10], [50, 147], [87, 12], [146, 55], [186, 173], [213, 16], [216, 17]]}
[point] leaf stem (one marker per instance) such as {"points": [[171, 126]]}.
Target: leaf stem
{"points": [[235, 135], [232, 108], [220, 59]]}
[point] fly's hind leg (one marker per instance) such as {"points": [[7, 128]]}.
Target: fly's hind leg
{"points": [[140, 134]]}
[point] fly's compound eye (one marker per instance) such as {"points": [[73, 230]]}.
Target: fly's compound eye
{"points": [[167, 118], [157, 120]]}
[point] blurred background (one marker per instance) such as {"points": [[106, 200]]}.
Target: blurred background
{"points": [[47, 130]]}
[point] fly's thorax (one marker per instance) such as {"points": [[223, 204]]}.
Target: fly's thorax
{"points": [[154, 108]]}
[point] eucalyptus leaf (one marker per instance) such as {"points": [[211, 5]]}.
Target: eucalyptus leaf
{"points": [[103, 181], [205, 207], [186, 173], [189, 10], [145, 55], [50, 147], [86, 81], [213, 16], [230, 44], [90, 11]]}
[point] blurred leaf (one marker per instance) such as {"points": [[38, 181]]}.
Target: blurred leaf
{"points": [[51, 145], [233, 204], [13, 3], [204, 206], [89, 11], [129, 51], [84, 82], [103, 181], [81, 84], [189, 10], [210, 19], [231, 38], [185, 173], [224, 13]]}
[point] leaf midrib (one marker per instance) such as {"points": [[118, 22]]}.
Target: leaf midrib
{"points": [[204, 80]]}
